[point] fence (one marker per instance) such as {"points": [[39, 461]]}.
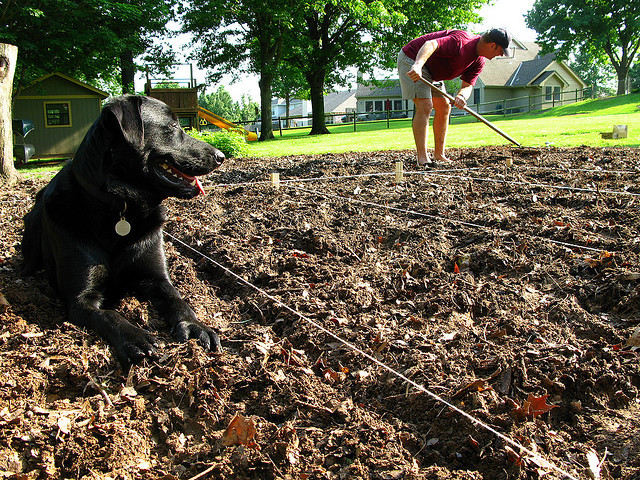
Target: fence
{"points": [[508, 106]]}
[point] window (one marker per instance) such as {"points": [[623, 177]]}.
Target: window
{"points": [[379, 106], [476, 96], [368, 106], [57, 114], [556, 93], [548, 93], [397, 104]]}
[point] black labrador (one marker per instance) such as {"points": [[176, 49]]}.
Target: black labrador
{"points": [[97, 226]]}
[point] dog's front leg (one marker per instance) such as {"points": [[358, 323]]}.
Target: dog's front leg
{"points": [[84, 300], [183, 321]]}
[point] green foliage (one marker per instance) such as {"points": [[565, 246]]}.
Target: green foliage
{"points": [[86, 39], [594, 26], [221, 103], [595, 72], [230, 143]]}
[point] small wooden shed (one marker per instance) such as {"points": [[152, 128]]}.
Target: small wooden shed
{"points": [[62, 109]]}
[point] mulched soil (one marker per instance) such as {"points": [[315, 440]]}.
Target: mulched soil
{"points": [[513, 295]]}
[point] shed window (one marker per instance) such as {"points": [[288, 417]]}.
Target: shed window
{"points": [[57, 114]]}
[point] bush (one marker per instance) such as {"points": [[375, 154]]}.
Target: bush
{"points": [[232, 144]]}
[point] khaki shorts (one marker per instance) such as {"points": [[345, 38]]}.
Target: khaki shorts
{"points": [[411, 89]]}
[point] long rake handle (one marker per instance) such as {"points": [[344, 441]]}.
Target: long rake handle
{"points": [[475, 114]]}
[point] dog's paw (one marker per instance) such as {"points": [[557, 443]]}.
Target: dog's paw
{"points": [[135, 346], [205, 336]]}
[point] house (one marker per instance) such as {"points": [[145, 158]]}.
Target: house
{"points": [[523, 82], [338, 103], [61, 109], [526, 81], [374, 101]]}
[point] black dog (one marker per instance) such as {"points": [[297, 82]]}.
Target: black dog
{"points": [[97, 226]]}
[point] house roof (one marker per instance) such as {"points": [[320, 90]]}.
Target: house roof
{"points": [[377, 91], [332, 102], [531, 70], [500, 70], [86, 86]]}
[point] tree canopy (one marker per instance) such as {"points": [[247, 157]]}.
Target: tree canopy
{"points": [[86, 39], [315, 39], [609, 26]]}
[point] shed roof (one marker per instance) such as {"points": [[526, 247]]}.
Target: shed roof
{"points": [[35, 87]]}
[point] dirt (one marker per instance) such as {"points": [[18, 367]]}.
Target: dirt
{"points": [[510, 292]]}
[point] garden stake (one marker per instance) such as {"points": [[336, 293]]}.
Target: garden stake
{"points": [[399, 176], [275, 180], [475, 114]]}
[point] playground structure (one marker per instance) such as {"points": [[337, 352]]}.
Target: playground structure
{"points": [[182, 96]]}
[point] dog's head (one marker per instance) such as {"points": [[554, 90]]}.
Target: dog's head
{"points": [[137, 148]]}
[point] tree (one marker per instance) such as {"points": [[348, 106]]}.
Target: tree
{"points": [[229, 34], [609, 26], [289, 83], [336, 34], [219, 102], [595, 71], [87, 39], [8, 57]]}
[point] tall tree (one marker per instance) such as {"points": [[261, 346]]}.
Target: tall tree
{"points": [[230, 34], [87, 39], [8, 56], [595, 70], [219, 102], [336, 34], [611, 26]]}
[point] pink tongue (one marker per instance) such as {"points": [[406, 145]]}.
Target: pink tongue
{"points": [[188, 178], [199, 185]]}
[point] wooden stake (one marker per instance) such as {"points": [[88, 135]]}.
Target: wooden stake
{"points": [[275, 180], [399, 175]]}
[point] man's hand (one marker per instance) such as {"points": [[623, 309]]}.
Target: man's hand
{"points": [[415, 73], [460, 102]]}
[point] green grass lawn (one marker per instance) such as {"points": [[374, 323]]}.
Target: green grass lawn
{"points": [[566, 126]]}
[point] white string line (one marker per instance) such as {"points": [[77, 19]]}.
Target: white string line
{"points": [[528, 184], [321, 179], [583, 170], [436, 174], [356, 349], [436, 217]]}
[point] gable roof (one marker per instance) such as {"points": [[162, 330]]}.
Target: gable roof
{"points": [[52, 76], [332, 101], [387, 91], [498, 71], [529, 70]]}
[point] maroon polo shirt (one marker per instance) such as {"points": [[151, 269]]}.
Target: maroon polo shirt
{"points": [[455, 57]]}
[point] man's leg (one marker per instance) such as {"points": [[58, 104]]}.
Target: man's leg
{"points": [[440, 126], [420, 125]]}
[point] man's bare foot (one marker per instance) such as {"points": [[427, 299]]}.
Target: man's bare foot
{"points": [[423, 162]]}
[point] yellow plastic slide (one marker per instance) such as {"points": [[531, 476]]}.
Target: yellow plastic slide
{"points": [[226, 124]]}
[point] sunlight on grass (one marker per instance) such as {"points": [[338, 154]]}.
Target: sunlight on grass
{"points": [[568, 126]]}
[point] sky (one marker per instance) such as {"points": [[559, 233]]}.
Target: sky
{"points": [[507, 14]]}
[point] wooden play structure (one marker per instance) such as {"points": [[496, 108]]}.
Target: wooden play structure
{"points": [[182, 96]]}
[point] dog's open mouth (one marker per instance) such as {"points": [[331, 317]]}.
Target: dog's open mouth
{"points": [[176, 177]]}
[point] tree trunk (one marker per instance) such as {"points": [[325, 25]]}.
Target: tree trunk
{"points": [[316, 83], [8, 58], [127, 71], [266, 130], [623, 80]]}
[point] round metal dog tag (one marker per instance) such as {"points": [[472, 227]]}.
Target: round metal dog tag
{"points": [[123, 227]]}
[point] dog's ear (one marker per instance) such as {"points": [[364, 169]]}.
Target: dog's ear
{"points": [[120, 120], [126, 113]]}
